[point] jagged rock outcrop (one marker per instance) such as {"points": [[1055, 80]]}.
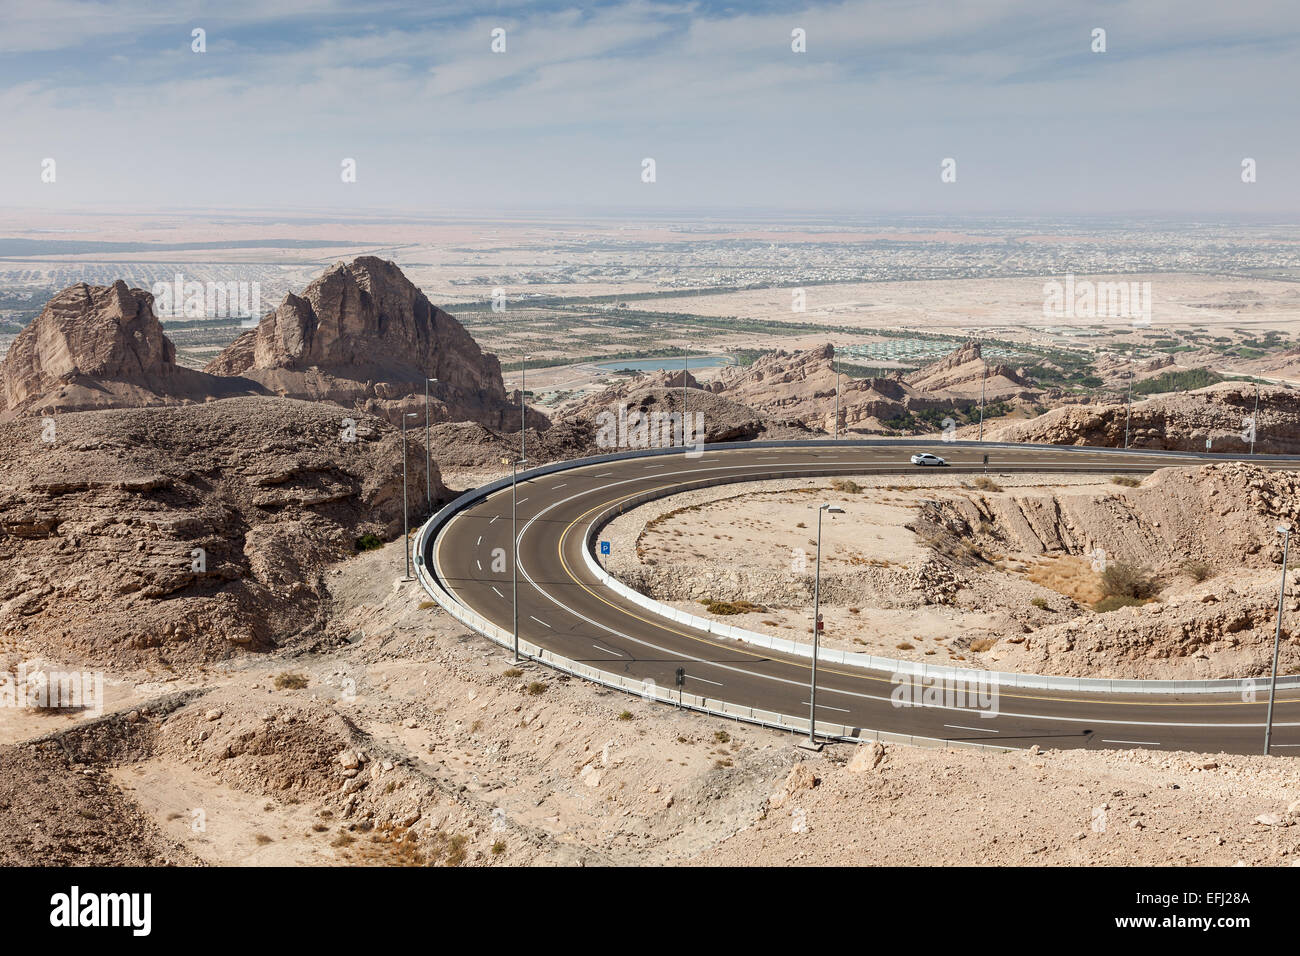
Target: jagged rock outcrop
{"points": [[100, 347], [192, 534], [965, 374], [364, 336], [800, 387], [1178, 422], [722, 419]]}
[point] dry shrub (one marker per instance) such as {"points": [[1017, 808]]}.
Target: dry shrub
{"points": [[1124, 580], [734, 607], [1071, 576]]}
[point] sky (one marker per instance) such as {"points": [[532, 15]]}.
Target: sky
{"points": [[1038, 124]]}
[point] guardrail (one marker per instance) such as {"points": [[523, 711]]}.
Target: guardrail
{"points": [[432, 584]]}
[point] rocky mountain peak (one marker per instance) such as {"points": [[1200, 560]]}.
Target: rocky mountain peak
{"points": [[102, 333], [363, 335]]}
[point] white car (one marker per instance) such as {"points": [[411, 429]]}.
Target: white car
{"points": [[925, 458]]}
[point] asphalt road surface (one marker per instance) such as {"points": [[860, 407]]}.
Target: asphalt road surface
{"points": [[563, 608]]}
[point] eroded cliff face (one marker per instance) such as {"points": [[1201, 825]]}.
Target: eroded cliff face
{"points": [[801, 386], [364, 336], [107, 332], [101, 347], [1180, 422], [189, 535]]}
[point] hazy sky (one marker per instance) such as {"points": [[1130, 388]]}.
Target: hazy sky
{"points": [[1010, 89]]}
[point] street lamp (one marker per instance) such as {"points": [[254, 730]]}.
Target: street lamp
{"points": [[1254, 422], [406, 522], [523, 387], [982, 383], [686, 366], [835, 428], [514, 546], [428, 454], [1128, 411], [1277, 637], [817, 627]]}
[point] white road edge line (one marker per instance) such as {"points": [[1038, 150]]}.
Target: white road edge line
{"points": [[783, 680], [1144, 743]]}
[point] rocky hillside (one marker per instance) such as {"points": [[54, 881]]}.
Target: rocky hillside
{"points": [[190, 534], [362, 335], [1179, 422], [100, 347], [724, 419], [800, 387], [963, 374]]}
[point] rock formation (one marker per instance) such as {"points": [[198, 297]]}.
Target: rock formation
{"points": [[363, 336], [964, 374], [800, 387], [100, 347], [191, 534], [1177, 422]]}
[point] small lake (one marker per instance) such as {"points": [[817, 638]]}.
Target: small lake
{"points": [[667, 364]]}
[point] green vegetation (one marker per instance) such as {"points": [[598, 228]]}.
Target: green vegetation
{"points": [[932, 419], [369, 542], [1178, 381]]}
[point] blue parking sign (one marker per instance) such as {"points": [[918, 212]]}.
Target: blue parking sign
{"points": [[604, 547]]}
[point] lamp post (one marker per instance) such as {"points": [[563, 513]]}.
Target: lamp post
{"points": [[1277, 637], [982, 382], [1254, 422], [514, 546], [406, 521], [523, 387], [686, 366], [835, 429], [1128, 410], [817, 627], [428, 455]]}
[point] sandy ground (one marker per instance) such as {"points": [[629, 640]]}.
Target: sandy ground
{"points": [[473, 762], [764, 533], [1014, 307]]}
